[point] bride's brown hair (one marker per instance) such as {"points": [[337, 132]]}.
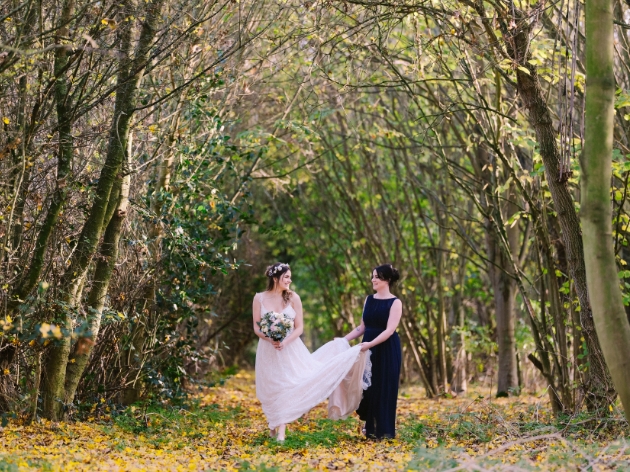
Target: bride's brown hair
{"points": [[273, 273]]}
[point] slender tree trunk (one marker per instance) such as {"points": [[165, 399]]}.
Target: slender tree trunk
{"points": [[37, 377], [560, 354], [504, 289], [459, 378], [596, 211], [52, 387], [131, 70], [18, 143], [507, 382], [459, 381], [499, 269], [600, 390], [96, 299], [441, 314], [20, 184], [22, 169], [429, 389]]}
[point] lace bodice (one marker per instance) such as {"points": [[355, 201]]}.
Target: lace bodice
{"points": [[287, 310]]}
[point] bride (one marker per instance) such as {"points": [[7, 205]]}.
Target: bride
{"points": [[289, 379]]}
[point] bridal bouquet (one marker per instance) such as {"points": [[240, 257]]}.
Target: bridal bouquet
{"points": [[275, 325]]}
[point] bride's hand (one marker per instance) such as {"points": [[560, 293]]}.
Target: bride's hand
{"points": [[278, 345]]}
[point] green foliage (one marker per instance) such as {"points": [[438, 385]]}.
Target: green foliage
{"points": [[8, 467], [152, 419], [42, 465], [412, 430], [322, 432]]}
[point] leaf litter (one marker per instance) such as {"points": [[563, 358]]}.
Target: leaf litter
{"points": [[223, 428]]}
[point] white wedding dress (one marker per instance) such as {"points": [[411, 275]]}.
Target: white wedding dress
{"points": [[292, 381]]}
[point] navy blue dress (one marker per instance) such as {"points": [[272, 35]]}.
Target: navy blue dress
{"points": [[378, 406]]}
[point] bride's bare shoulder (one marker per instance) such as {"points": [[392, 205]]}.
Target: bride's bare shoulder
{"points": [[295, 298]]}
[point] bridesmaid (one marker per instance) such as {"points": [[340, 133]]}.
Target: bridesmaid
{"points": [[381, 315]]}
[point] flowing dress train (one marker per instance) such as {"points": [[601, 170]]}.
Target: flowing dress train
{"points": [[292, 381]]}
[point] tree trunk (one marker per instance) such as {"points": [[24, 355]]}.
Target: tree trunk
{"points": [[600, 390], [503, 284], [504, 289], [596, 211], [508, 363], [21, 180], [96, 299], [21, 176], [441, 314], [129, 77], [459, 380], [52, 385], [429, 389]]}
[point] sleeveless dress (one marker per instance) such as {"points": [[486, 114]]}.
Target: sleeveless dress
{"points": [[292, 381], [378, 406]]}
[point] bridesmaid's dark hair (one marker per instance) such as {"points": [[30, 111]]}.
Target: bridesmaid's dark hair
{"points": [[273, 273], [388, 273]]}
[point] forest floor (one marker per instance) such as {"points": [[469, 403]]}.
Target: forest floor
{"points": [[223, 428]]}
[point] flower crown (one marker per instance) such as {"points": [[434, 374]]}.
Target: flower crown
{"points": [[274, 270]]}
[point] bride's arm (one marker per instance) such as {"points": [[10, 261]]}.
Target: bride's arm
{"points": [[395, 314], [298, 322], [256, 312]]}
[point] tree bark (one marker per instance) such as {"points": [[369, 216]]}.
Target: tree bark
{"points": [[131, 70], [96, 299], [504, 289], [459, 379], [51, 385], [503, 284], [21, 145], [609, 314], [441, 312], [599, 389]]}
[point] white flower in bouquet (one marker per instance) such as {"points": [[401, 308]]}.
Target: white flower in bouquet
{"points": [[275, 326]]}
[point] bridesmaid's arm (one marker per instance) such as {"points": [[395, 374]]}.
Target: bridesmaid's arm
{"points": [[356, 332], [395, 313], [298, 322], [359, 330], [256, 312]]}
